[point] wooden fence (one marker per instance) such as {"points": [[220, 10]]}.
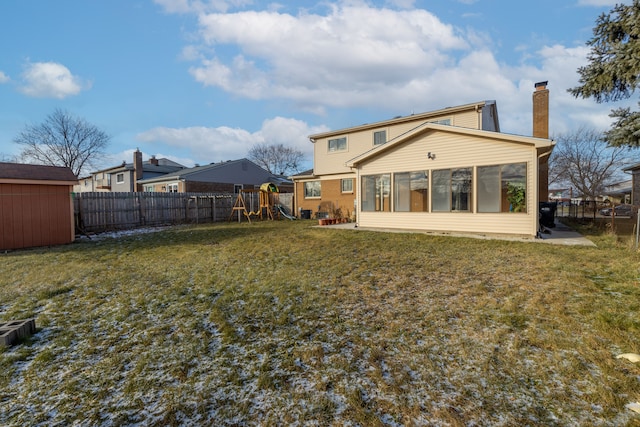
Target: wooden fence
{"points": [[105, 211]]}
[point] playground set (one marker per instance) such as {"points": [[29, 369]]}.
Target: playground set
{"points": [[267, 208]]}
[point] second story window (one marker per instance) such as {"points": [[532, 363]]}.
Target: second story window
{"points": [[119, 178], [379, 137], [338, 144]]}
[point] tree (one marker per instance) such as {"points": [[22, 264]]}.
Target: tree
{"points": [[63, 140], [583, 160], [276, 158], [613, 72]]}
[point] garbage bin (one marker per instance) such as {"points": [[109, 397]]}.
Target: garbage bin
{"points": [[547, 214], [305, 213]]}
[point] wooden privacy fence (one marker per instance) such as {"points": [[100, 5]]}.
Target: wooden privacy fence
{"points": [[104, 211]]}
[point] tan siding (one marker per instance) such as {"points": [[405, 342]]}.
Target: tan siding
{"points": [[362, 141], [511, 224], [469, 119], [452, 151]]}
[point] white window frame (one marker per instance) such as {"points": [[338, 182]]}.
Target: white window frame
{"points": [[349, 187], [312, 191], [120, 178], [335, 145], [379, 137]]}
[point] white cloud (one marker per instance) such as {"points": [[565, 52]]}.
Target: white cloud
{"points": [[3, 78], [224, 143], [49, 80], [340, 58], [403, 4], [398, 61]]}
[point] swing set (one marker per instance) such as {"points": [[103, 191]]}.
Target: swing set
{"points": [[265, 207]]}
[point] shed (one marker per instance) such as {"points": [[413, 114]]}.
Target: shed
{"points": [[36, 208]]}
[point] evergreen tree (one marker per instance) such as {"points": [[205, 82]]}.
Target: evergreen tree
{"points": [[613, 72]]}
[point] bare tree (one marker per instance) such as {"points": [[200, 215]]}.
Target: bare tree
{"points": [[276, 158], [63, 140], [583, 160]]}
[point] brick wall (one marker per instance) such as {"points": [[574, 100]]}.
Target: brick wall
{"points": [[332, 199]]}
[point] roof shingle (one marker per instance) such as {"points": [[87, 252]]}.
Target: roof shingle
{"points": [[36, 172]]}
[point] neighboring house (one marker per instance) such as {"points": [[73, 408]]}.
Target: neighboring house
{"points": [[619, 192], [447, 170], [36, 208], [635, 183], [126, 176], [224, 177]]}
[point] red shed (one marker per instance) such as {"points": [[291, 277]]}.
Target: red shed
{"points": [[36, 208]]}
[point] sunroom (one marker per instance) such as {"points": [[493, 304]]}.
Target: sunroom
{"points": [[443, 178]]}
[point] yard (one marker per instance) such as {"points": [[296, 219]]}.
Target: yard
{"points": [[281, 323]]}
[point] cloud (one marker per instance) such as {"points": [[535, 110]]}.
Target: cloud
{"points": [[224, 143], [3, 78], [340, 58], [352, 55], [50, 80]]}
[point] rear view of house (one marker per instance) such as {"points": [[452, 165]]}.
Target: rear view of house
{"points": [[36, 208], [446, 170]]}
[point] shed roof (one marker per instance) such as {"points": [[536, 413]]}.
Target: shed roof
{"points": [[19, 171]]}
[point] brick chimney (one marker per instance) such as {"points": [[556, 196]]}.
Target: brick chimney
{"points": [[137, 164], [153, 161], [541, 130], [541, 111]]}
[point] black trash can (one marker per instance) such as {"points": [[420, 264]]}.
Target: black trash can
{"points": [[305, 213], [547, 214]]}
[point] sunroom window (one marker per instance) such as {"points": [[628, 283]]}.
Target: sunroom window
{"points": [[411, 190], [376, 191], [502, 188]]}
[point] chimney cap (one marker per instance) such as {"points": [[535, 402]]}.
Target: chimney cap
{"points": [[541, 85]]}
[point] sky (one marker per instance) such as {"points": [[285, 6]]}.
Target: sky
{"points": [[202, 81]]}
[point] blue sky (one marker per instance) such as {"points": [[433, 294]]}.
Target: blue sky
{"points": [[202, 81]]}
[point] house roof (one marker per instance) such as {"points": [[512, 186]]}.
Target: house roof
{"points": [[410, 118], [546, 145], [304, 174], [213, 171], [632, 168], [19, 171], [164, 166]]}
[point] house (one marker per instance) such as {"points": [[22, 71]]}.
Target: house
{"points": [[447, 170], [619, 192], [634, 170], [126, 176], [36, 208], [224, 177]]}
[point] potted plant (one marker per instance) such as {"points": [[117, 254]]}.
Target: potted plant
{"points": [[337, 216], [516, 197]]}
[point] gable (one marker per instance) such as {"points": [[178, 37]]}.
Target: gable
{"points": [[361, 139], [448, 149]]}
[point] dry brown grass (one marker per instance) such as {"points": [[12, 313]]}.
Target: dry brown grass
{"points": [[283, 323]]}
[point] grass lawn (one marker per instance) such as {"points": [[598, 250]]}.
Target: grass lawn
{"points": [[282, 323]]}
